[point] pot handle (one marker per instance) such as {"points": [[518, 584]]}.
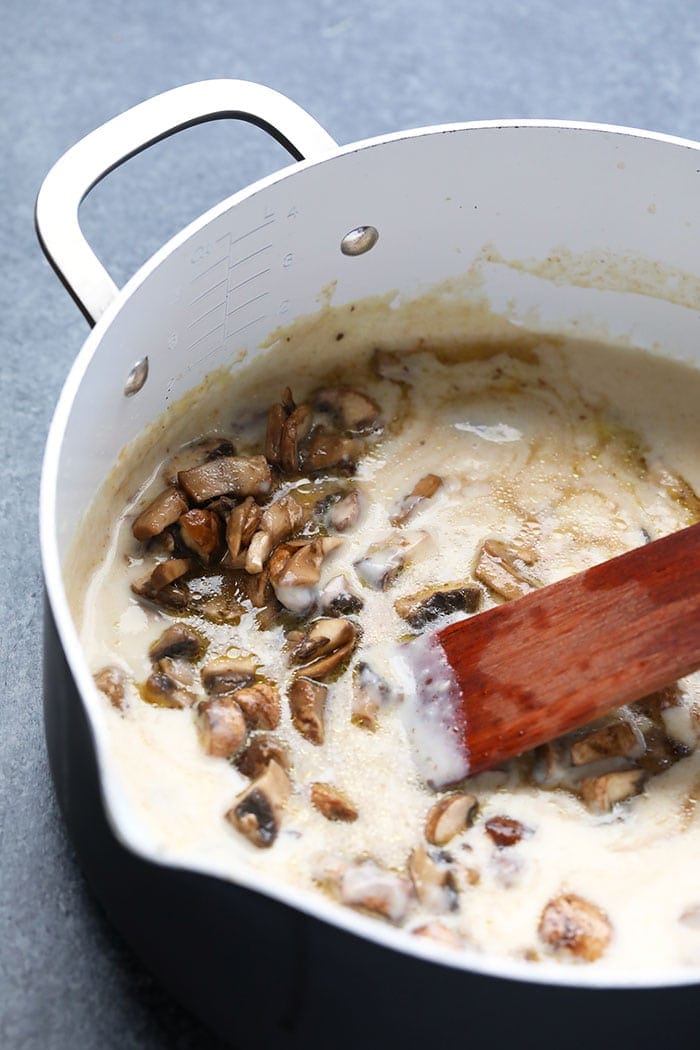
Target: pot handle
{"points": [[85, 164]]}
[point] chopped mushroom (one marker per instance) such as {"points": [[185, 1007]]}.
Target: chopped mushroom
{"points": [[277, 523], [613, 740], [350, 409], [325, 646], [257, 812], [574, 925], [505, 831], [170, 685], [287, 427], [201, 531], [328, 450], [260, 751], [307, 701], [345, 514], [227, 475], [164, 510], [434, 882], [338, 598], [221, 726], [178, 640], [449, 816], [371, 888], [194, 454], [110, 681], [241, 526], [333, 804], [295, 571], [384, 560], [370, 692], [260, 704], [164, 574], [423, 608], [496, 566], [226, 674], [600, 794], [423, 490]]}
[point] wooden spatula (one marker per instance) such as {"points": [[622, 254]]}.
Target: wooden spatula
{"points": [[532, 669]]}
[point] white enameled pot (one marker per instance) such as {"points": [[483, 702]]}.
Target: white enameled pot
{"points": [[575, 228]]}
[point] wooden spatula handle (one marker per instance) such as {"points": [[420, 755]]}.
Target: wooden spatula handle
{"points": [[545, 664]]}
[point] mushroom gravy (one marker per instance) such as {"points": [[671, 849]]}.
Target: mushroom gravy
{"points": [[339, 504]]}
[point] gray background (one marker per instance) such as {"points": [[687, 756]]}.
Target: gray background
{"points": [[361, 68]]}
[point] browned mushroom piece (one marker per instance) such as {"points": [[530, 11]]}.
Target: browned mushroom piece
{"points": [[423, 490], [261, 749], [371, 888], [226, 674], [257, 812], [278, 522], [170, 685], [110, 681], [350, 409], [325, 646], [437, 931], [276, 418], [221, 609], [617, 739], [195, 454], [574, 926], [161, 512], [332, 803], [227, 475], [345, 514], [221, 726], [295, 430], [449, 816], [601, 793], [338, 598], [307, 702], [505, 831], [497, 566], [370, 692], [423, 608], [165, 573], [178, 640], [328, 450], [433, 881], [384, 560], [296, 571], [202, 532], [260, 704], [241, 525]]}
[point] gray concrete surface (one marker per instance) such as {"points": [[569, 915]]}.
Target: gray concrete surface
{"points": [[361, 68]]}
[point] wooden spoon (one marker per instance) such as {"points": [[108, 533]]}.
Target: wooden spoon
{"points": [[529, 670]]}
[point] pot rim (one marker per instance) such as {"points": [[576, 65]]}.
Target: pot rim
{"points": [[305, 901]]}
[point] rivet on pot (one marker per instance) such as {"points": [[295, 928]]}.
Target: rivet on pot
{"points": [[359, 240], [136, 378]]}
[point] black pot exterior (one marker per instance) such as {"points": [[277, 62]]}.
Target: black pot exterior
{"points": [[262, 975]]}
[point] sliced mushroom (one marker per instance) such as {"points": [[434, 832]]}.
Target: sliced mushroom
{"points": [[221, 726], [201, 531], [371, 888], [221, 609], [260, 751], [277, 523], [168, 685], [241, 526], [294, 431], [195, 454], [384, 560], [420, 609], [345, 514], [423, 490], [227, 475], [257, 812], [161, 512], [618, 739], [307, 702], [110, 681], [325, 646], [370, 692], [338, 598], [163, 575], [260, 704], [226, 674], [295, 576], [600, 794], [505, 831], [328, 450], [434, 882], [573, 925], [448, 817], [178, 640], [333, 804], [437, 931], [496, 566], [351, 409]]}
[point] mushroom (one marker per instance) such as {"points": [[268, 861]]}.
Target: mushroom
{"points": [[169, 685], [601, 793], [201, 531], [260, 704], [371, 888], [449, 816], [241, 526], [227, 475], [434, 882], [370, 692], [194, 454], [226, 674], [325, 646], [178, 640], [423, 490], [262, 748], [256, 813], [496, 566], [345, 514], [333, 804], [156, 586], [307, 701], [221, 726], [618, 739], [351, 409], [437, 931], [384, 560], [573, 925], [328, 450], [161, 512], [338, 598], [110, 681], [418, 610], [297, 570], [505, 831], [277, 523], [221, 609], [287, 427]]}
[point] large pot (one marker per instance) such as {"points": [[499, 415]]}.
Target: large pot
{"points": [[582, 228]]}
